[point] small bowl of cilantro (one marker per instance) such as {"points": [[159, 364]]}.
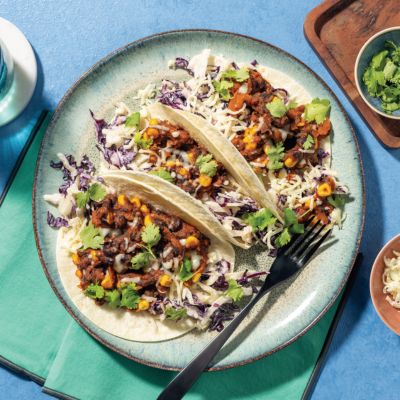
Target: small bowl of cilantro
{"points": [[377, 72]]}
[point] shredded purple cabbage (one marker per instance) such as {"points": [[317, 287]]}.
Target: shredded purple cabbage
{"points": [[84, 170], [282, 198], [223, 266], [321, 154], [234, 65], [224, 313], [220, 284], [254, 63], [54, 222], [182, 63], [118, 157], [172, 97]]}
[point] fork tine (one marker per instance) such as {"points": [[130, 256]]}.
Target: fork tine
{"points": [[310, 252], [301, 240], [308, 239]]}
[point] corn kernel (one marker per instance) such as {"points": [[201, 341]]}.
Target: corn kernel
{"points": [[147, 220], [170, 164], [324, 190], [196, 277], [144, 209], [153, 121], [183, 171], [251, 146], [107, 282], [93, 253], [153, 132], [290, 162], [192, 242], [248, 139], [178, 163], [165, 280], [266, 148], [78, 273], [192, 157], [205, 180], [136, 201], [75, 258], [143, 305], [307, 204], [121, 199]]}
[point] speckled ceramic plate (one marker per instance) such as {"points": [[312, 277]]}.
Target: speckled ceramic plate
{"points": [[291, 309]]}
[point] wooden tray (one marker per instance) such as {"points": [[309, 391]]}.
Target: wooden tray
{"points": [[336, 30]]}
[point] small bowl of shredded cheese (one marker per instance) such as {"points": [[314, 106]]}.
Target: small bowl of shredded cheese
{"points": [[385, 284]]}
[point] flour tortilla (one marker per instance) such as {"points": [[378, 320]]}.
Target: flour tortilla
{"points": [[141, 326]]}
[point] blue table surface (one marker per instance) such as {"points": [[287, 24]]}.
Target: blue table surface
{"points": [[69, 36]]}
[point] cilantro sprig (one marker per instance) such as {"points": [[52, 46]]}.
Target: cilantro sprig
{"points": [[291, 226], [223, 86], [95, 192], [234, 291], [150, 236], [130, 298], [141, 141], [317, 110], [185, 272], [275, 156], [260, 219], [95, 291], [207, 165], [91, 237], [163, 174], [276, 107], [133, 121], [309, 143], [238, 75], [175, 313]]}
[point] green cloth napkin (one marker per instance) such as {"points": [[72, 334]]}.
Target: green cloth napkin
{"points": [[39, 337]]}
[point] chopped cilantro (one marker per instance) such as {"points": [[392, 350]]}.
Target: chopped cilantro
{"points": [[234, 291], [284, 238], [141, 142], [239, 75], [96, 192], [163, 174], [206, 165], [130, 297], [382, 77], [277, 107], [133, 121], [222, 88], [308, 143], [337, 201], [113, 298], [275, 156], [175, 313], [140, 260], [260, 219], [95, 291], [317, 110], [91, 237], [186, 270], [151, 235]]}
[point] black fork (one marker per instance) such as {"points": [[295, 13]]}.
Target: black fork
{"points": [[291, 259]]}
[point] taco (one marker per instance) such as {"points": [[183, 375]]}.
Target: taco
{"points": [[140, 266], [167, 146]]}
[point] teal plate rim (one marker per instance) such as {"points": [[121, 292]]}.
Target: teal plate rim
{"points": [[56, 116]]}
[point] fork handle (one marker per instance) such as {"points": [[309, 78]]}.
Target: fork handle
{"points": [[189, 375]]}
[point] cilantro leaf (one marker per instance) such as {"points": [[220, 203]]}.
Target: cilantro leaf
{"points": [[337, 201], [151, 235], [308, 143], [91, 237], [222, 88], [260, 219], [373, 80], [234, 291], [95, 291], [284, 238], [141, 142], [378, 60], [275, 156], [133, 121], [277, 107], [186, 270], [239, 75], [175, 313], [82, 199], [95, 192], [389, 70], [395, 51], [317, 110], [206, 165], [292, 104], [140, 260], [163, 174], [289, 216], [297, 228], [130, 297], [113, 298]]}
